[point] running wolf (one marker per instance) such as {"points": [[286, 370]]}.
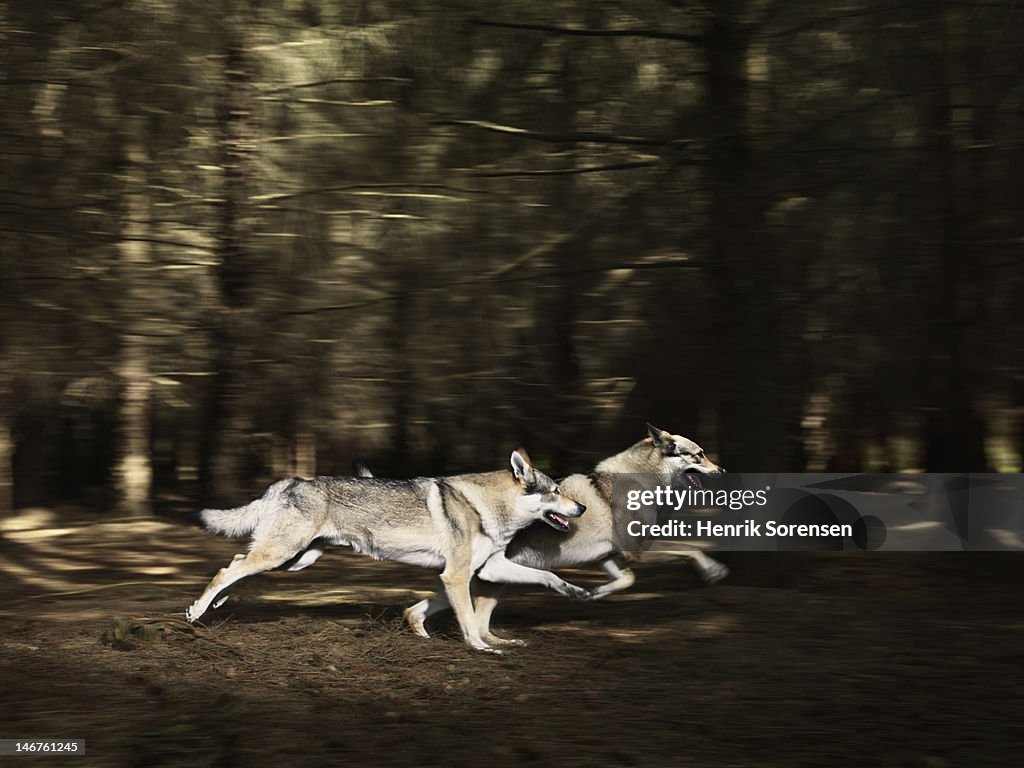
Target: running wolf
{"points": [[600, 536], [459, 524]]}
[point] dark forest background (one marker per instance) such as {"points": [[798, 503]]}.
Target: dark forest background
{"points": [[241, 240]]}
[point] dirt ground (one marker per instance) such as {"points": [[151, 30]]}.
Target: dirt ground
{"points": [[798, 660]]}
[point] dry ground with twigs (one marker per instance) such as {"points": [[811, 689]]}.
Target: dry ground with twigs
{"points": [[797, 660]]}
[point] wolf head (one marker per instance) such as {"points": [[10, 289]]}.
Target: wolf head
{"points": [[677, 455], [541, 497]]}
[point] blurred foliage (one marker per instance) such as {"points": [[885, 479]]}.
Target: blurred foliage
{"points": [[245, 239]]}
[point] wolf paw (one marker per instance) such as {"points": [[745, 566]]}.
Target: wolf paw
{"points": [[419, 630], [416, 622], [714, 573], [510, 642], [488, 649], [576, 593]]}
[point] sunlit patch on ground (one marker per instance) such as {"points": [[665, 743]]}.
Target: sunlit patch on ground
{"points": [[715, 625], [32, 575], [631, 635], [627, 597], [157, 570], [27, 520], [58, 564], [35, 534]]}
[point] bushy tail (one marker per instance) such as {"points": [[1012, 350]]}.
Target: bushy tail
{"points": [[241, 520]]}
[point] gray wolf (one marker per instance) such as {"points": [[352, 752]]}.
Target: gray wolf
{"points": [[601, 535], [459, 524]]}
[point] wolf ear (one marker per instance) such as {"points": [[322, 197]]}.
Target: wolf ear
{"points": [[658, 436], [523, 469]]}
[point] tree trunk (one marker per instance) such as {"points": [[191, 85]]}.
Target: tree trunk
{"points": [[305, 454], [133, 472], [404, 385], [751, 416], [6, 437], [556, 316], [228, 419], [955, 434]]}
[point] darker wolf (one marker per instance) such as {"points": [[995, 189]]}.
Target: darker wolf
{"points": [[599, 536]]}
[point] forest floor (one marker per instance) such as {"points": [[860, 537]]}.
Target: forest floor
{"points": [[888, 659]]}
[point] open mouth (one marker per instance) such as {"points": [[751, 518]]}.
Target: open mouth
{"points": [[556, 521], [693, 476]]}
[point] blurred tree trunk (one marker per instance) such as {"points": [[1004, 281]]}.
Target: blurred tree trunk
{"points": [[6, 435], [751, 414], [305, 454], [133, 472], [954, 440], [228, 419], [404, 384], [556, 315], [408, 278]]}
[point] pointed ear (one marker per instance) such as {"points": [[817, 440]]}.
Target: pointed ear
{"points": [[523, 469], [658, 436]]}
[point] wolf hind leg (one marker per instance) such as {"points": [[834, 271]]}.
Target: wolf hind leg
{"points": [[306, 559], [263, 556], [621, 578], [417, 615], [710, 569]]}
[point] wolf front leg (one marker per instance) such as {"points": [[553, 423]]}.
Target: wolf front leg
{"points": [[621, 578], [485, 600], [456, 577], [501, 570], [709, 569]]}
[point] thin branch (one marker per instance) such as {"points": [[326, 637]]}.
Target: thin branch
{"points": [[831, 20], [273, 197], [557, 138], [334, 80], [159, 241], [76, 83], [597, 218], [654, 34], [304, 136], [565, 171], [329, 102], [682, 5]]}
